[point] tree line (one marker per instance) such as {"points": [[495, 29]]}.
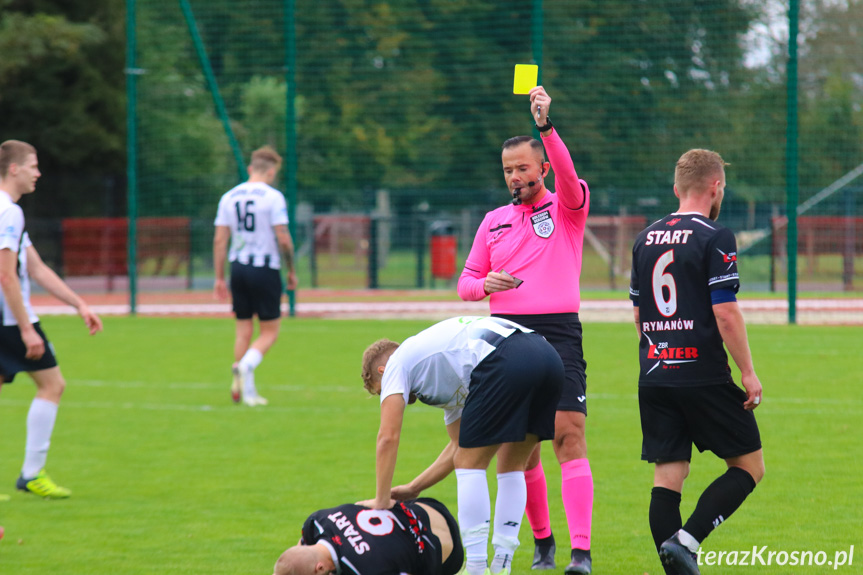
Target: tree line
{"points": [[415, 96]]}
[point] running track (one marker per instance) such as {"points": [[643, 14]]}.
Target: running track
{"points": [[367, 304]]}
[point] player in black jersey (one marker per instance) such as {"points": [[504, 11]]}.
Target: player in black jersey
{"points": [[419, 537], [684, 285]]}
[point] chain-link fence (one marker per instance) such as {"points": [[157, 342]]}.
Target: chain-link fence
{"points": [[400, 108]]}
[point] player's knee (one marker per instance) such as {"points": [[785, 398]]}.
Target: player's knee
{"points": [[52, 388], [59, 386], [569, 433], [752, 463], [757, 471], [534, 459], [570, 444]]}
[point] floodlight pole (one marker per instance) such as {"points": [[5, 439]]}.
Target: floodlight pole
{"points": [[132, 73], [791, 159], [291, 132], [536, 34]]}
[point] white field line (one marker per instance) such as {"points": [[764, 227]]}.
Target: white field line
{"points": [[372, 309], [852, 405]]}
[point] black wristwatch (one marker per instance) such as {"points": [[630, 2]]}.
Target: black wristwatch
{"points": [[548, 125]]}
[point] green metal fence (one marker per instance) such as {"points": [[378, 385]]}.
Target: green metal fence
{"points": [[395, 111]]}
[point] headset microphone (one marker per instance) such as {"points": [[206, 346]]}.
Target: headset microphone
{"points": [[516, 194]]}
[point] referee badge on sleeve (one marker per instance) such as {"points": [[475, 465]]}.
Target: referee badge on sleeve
{"points": [[543, 225]]}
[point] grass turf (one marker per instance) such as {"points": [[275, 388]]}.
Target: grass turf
{"points": [[169, 477]]}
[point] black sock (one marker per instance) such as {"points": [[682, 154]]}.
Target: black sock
{"points": [[664, 514], [545, 541], [719, 501]]}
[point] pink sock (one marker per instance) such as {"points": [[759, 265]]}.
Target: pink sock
{"points": [[537, 502], [577, 491]]}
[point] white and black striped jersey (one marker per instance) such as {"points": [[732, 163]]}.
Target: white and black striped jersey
{"points": [[250, 211], [15, 238], [435, 365], [677, 264], [365, 541]]}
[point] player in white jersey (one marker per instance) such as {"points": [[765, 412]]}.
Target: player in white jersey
{"points": [[254, 216], [23, 345], [499, 384]]}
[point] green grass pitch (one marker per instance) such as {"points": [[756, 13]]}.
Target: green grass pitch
{"points": [[168, 476]]}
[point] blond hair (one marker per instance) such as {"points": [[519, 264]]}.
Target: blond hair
{"points": [[697, 169], [265, 158], [373, 356], [13, 152]]}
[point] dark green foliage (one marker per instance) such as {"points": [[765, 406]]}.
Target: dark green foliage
{"points": [[414, 97], [61, 89]]}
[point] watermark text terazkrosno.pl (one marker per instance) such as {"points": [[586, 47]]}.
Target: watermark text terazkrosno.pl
{"points": [[764, 556]]}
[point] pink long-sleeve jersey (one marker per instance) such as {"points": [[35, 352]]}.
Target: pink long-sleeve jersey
{"points": [[540, 244]]}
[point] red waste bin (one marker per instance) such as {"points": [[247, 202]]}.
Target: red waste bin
{"points": [[443, 250]]}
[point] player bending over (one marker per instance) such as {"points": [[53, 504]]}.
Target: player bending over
{"points": [[499, 384], [419, 537]]}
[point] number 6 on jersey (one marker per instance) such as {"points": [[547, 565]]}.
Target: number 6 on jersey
{"points": [[664, 280]]}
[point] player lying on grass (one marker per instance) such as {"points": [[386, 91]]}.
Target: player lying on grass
{"points": [[419, 537], [499, 384]]}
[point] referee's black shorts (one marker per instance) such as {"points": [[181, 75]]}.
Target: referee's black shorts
{"points": [[710, 416], [563, 332], [13, 350], [513, 391], [256, 291]]}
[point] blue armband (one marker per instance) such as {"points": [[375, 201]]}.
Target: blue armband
{"points": [[724, 295]]}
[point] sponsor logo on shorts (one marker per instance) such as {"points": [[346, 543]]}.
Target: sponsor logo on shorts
{"points": [[581, 398]]}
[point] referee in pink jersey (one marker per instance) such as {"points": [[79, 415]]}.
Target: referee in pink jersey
{"points": [[527, 257]]}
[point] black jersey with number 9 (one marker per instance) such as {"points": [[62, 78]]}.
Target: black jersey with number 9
{"points": [[676, 263]]}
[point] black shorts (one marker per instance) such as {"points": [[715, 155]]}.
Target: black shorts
{"points": [[563, 332], [710, 416], [455, 561], [513, 391], [256, 291], [13, 350]]}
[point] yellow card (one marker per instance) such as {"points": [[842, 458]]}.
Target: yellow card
{"points": [[525, 78]]}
